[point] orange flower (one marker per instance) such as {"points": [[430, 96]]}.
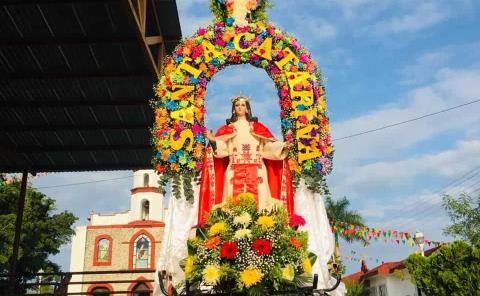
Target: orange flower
{"points": [[175, 167], [197, 151], [295, 243], [212, 242], [293, 165], [187, 51], [202, 67]]}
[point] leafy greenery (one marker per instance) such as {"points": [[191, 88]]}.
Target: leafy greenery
{"points": [[43, 231], [337, 210], [453, 271], [465, 215], [220, 12], [355, 288]]}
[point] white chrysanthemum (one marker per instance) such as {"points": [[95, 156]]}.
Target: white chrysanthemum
{"points": [[244, 219], [241, 233]]}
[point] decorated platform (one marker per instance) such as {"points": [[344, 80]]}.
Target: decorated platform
{"points": [[248, 216]]}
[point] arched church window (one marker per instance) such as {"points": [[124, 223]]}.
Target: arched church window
{"points": [[100, 291], [141, 289], [103, 250], [145, 209], [142, 252], [145, 180]]}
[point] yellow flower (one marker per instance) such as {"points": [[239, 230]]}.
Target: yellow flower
{"points": [[211, 274], [189, 265], [250, 276], [265, 222], [288, 272], [246, 195], [241, 233], [307, 265], [243, 219], [217, 228]]}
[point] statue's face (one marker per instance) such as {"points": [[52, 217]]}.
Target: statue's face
{"points": [[240, 108]]}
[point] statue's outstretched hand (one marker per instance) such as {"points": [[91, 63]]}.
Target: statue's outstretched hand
{"points": [[209, 135], [288, 145]]}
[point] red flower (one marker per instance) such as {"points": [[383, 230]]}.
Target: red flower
{"points": [[228, 250], [262, 246], [296, 220]]}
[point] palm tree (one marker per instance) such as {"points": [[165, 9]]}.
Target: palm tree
{"points": [[337, 210]]}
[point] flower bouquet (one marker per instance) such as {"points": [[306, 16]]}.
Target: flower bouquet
{"points": [[240, 249]]}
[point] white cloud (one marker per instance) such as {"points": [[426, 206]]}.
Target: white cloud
{"points": [[422, 15]]}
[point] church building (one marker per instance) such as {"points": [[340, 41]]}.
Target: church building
{"points": [[124, 241]]}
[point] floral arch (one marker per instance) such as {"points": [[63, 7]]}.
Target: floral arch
{"points": [[237, 38]]}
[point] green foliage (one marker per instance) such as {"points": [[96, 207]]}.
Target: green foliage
{"points": [[465, 215], [453, 271], [338, 211], [43, 231], [355, 288], [259, 14]]}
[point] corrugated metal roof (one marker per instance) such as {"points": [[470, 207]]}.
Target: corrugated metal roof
{"points": [[75, 80]]}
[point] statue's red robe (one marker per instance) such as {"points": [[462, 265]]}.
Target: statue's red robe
{"points": [[213, 174]]}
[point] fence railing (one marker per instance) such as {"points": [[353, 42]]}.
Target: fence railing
{"points": [[58, 283]]}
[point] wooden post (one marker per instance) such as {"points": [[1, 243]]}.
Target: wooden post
{"points": [[18, 229]]}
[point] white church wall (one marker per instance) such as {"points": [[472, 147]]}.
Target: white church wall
{"points": [[77, 259], [139, 178], [110, 219], [155, 199]]}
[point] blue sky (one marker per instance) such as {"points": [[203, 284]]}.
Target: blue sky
{"points": [[383, 63]]}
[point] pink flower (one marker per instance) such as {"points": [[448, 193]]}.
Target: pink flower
{"points": [[303, 58], [201, 31], [303, 119], [296, 220], [197, 129]]}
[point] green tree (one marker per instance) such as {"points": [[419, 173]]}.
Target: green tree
{"points": [[454, 270], [43, 231], [355, 288], [464, 212], [338, 211]]}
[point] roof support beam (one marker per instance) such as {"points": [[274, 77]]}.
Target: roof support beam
{"points": [[97, 75], [64, 127], [32, 41], [77, 102], [139, 21], [80, 148]]}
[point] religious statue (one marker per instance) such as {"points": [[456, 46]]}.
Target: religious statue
{"points": [[245, 157], [240, 10]]}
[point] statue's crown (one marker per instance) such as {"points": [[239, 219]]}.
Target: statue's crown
{"points": [[240, 98]]}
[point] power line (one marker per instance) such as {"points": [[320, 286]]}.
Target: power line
{"points": [[425, 207], [432, 209], [406, 121], [83, 183]]}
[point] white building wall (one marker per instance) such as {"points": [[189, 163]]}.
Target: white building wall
{"points": [[77, 257], [156, 206], [401, 287], [138, 178], [110, 219]]}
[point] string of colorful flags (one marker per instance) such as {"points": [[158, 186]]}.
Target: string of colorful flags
{"points": [[377, 234], [358, 257]]}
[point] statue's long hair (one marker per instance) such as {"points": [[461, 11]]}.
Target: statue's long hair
{"points": [[248, 115]]}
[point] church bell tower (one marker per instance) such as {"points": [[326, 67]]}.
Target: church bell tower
{"points": [[146, 202]]}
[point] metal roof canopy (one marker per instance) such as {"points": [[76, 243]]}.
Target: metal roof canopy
{"points": [[75, 80]]}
